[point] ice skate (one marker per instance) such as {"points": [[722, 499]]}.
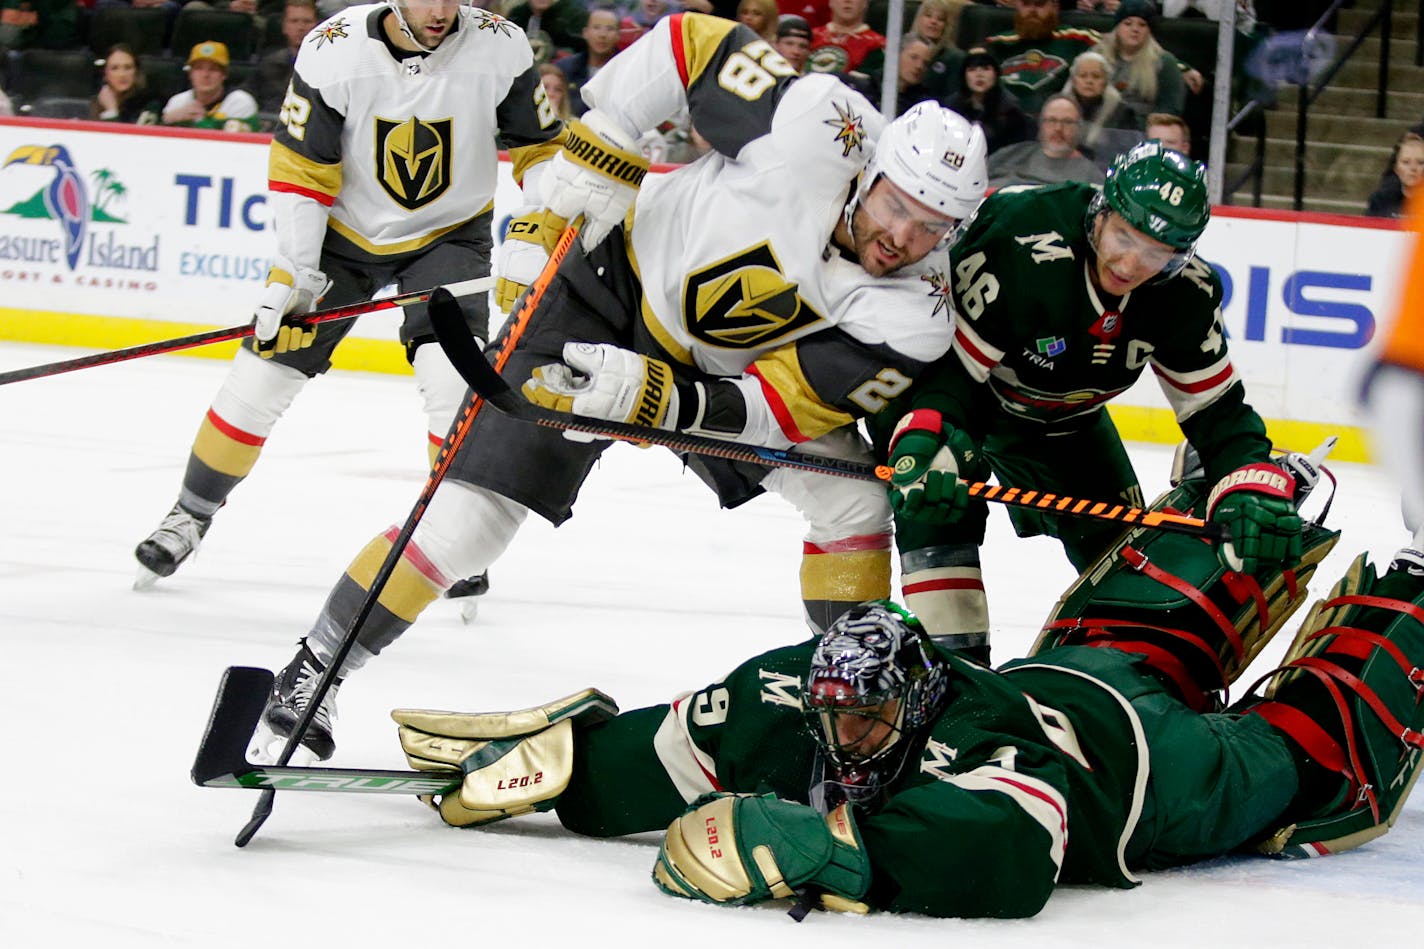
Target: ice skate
{"points": [[468, 592], [176, 539], [1408, 559], [291, 695]]}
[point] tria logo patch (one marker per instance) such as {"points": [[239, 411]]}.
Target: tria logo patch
{"points": [[1051, 346]]}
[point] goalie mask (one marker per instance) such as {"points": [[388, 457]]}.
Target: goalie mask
{"points": [[935, 156], [874, 682]]}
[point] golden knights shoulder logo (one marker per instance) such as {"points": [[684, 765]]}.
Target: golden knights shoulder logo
{"points": [[413, 159], [744, 302]]}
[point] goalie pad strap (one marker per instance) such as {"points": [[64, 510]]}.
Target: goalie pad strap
{"points": [[1098, 629], [1140, 562], [1164, 662], [1305, 732], [1407, 735], [1382, 602], [1365, 640]]}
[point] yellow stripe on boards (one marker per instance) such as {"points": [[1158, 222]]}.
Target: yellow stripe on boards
{"points": [[117, 332], [1140, 424]]}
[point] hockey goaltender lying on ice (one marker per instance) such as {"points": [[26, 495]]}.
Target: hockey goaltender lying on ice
{"points": [[870, 769]]}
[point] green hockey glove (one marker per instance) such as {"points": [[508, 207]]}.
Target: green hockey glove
{"points": [[928, 457], [739, 849], [1256, 505]]}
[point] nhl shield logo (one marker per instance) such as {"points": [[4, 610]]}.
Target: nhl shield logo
{"points": [[413, 159]]}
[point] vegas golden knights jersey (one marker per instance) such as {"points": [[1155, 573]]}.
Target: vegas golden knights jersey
{"points": [[400, 148], [734, 250]]}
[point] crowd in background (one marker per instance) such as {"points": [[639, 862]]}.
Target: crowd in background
{"points": [[1057, 102]]}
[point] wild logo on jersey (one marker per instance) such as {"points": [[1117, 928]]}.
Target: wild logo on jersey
{"points": [[744, 301], [413, 158], [1033, 68]]}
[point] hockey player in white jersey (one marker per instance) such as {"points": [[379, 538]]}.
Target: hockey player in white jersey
{"points": [[787, 282], [383, 171]]}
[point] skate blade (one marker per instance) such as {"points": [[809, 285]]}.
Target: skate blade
{"points": [[145, 578], [266, 748], [469, 609]]}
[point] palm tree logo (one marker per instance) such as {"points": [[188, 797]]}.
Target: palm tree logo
{"points": [[108, 189]]}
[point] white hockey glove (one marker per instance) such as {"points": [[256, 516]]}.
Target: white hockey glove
{"points": [[291, 290], [597, 174], [528, 242], [603, 381]]}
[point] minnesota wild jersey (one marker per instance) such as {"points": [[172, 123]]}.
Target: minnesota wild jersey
{"points": [[1035, 69], [1031, 776], [400, 148], [733, 252], [1053, 350]]}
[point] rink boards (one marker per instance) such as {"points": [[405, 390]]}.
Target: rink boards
{"points": [[113, 237]]}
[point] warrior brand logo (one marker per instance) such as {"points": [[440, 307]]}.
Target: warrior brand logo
{"points": [[333, 31], [744, 302], [850, 130], [654, 397], [1266, 479], [413, 159], [600, 159]]}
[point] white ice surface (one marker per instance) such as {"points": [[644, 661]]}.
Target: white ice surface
{"points": [[651, 589]]}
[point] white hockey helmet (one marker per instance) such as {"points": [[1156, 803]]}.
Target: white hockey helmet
{"points": [[936, 156]]}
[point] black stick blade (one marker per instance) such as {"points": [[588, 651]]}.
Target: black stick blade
{"points": [[241, 696]]}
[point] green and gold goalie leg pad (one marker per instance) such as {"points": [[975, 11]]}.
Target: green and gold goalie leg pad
{"points": [[1165, 596], [514, 762], [1350, 697]]}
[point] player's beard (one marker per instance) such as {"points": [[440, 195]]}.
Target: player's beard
{"points": [[1037, 25]]}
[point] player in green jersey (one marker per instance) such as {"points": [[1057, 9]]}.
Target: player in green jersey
{"points": [[871, 769], [1064, 295]]}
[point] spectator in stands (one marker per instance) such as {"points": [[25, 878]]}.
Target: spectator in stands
{"points": [[910, 89], [641, 20], [1171, 130], [209, 104], [1109, 126], [600, 36], [946, 60], [556, 88], [981, 98], [793, 40], [842, 44], [761, 16], [1053, 158], [1400, 180], [814, 12], [274, 71], [38, 24], [1034, 59], [555, 27], [123, 96], [1149, 78]]}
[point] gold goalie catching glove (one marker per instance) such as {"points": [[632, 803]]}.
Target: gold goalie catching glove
{"points": [[597, 173], [291, 291], [738, 849], [528, 242], [514, 762], [600, 380]]}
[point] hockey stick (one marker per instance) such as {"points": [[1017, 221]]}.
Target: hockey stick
{"points": [[350, 311], [443, 300], [465, 355], [222, 755]]}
